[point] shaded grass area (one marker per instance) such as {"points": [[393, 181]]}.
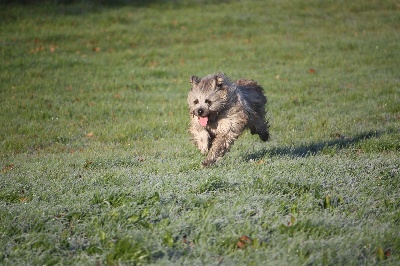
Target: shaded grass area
{"points": [[364, 142], [97, 166]]}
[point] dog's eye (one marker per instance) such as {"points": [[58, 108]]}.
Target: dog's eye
{"points": [[196, 101], [207, 102]]}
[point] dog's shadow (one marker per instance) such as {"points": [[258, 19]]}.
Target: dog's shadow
{"points": [[340, 142]]}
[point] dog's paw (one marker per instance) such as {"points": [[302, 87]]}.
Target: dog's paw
{"points": [[207, 163], [204, 151], [204, 164], [210, 161]]}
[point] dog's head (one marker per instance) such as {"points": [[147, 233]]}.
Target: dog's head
{"points": [[208, 96]]}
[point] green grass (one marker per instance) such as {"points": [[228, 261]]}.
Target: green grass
{"points": [[98, 167]]}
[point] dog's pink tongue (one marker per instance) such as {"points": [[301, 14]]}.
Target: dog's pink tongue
{"points": [[203, 121]]}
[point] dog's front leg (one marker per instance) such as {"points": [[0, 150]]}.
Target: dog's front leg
{"points": [[201, 138], [219, 147]]}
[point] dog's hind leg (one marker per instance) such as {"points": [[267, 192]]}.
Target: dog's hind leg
{"points": [[260, 127]]}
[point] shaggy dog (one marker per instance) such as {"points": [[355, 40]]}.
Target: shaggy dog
{"points": [[221, 110]]}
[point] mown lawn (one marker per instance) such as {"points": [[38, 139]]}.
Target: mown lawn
{"points": [[98, 167]]}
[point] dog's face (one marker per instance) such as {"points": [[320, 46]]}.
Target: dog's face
{"points": [[207, 97]]}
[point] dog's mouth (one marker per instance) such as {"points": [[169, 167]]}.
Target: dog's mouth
{"points": [[203, 120]]}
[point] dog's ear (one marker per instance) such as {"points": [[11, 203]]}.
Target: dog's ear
{"points": [[219, 81], [194, 80]]}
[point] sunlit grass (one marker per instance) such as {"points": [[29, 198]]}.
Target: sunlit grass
{"points": [[98, 167]]}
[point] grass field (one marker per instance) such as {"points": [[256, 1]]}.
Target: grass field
{"points": [[98, 167]]}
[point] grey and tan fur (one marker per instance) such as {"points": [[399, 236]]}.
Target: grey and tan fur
{"points": [[221, 110]]}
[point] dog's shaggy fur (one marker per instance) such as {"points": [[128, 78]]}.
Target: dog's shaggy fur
{"points": [[221, 110]]}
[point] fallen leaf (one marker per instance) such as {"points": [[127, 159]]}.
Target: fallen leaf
{"points": [[87, 164], [388, 252], [186, 241], [340, 136], [311, 71], [153, 64], [96, 49], [89, 135], [24, 199], [243, 242], [52, 48], [292, 221], [7, 168]]}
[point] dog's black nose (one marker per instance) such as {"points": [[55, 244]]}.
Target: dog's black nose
{"points": [[200, 111]]}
